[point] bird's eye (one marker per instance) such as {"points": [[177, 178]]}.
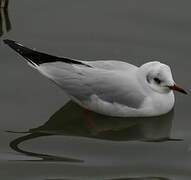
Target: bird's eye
{"points": [[157, 80]]}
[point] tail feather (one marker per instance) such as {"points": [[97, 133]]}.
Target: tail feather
{"points": [[36, 58]]}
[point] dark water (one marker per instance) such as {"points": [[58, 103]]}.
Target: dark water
{"points": [[45, 137]]}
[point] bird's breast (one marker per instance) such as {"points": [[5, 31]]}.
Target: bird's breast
{"points": [[162, 103]]}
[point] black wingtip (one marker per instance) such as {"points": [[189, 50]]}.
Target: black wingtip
{"points": [[8, 41], [13, 44], [37, 58], [19, 48]]}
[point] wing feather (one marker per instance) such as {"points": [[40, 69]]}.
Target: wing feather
{"points": [[110, 85]]}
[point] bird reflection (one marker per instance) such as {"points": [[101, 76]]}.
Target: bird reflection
{"points": [[5, 24], [73, 120]]}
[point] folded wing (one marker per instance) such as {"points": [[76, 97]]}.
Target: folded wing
{"points": [[113, 86]]}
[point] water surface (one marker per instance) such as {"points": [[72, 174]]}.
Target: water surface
{"points": [[43, 135]]}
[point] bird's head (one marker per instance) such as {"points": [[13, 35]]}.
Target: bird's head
{"points": [[159, 78]]}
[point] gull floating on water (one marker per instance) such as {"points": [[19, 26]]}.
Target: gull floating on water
{"points": [[113, 88]]}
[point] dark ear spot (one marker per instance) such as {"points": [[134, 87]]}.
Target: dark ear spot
{"points": [[148, 79]]}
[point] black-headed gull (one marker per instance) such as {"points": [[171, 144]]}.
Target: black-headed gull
{"points": [[113, 88]]}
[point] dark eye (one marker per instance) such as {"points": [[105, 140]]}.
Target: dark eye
{"points": [[157, 80]]}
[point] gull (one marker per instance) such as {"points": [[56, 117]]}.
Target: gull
{"points": [[109, 87]]}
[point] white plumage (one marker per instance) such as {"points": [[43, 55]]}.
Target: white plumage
{"points": [[113, 88]]}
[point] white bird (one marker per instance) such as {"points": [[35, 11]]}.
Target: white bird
{"points": [[113, 88]]}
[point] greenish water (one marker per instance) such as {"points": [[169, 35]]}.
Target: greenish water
{"points": [[44, 136]]}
